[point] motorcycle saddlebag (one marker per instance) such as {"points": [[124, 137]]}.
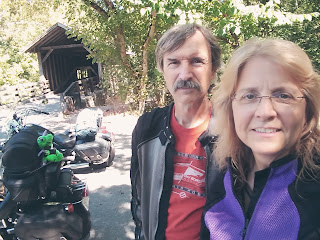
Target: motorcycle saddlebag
{"points": [[94, 152], [26, 189]]}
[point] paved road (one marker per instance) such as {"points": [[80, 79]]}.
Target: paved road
{"points": [[110, 187]]}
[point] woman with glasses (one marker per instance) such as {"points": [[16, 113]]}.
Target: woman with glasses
{"points": [[267, 185]]}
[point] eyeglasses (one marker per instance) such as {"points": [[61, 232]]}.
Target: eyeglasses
{"points": [[277, 98]]}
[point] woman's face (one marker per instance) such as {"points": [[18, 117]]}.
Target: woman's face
{"points": [[272, 125]]}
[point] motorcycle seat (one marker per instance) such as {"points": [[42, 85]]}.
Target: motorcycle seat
{"points": [[66, 141]]}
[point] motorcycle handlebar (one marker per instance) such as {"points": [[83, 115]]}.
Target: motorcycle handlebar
{"points": [[40, 112], [27, 111]]}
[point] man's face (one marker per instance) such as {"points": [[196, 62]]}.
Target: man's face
{"points": [[188, 70]]}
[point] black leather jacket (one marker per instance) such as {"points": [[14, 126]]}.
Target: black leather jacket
{"points": [[152, 172]]}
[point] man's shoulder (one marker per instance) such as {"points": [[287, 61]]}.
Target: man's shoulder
{"points": [[151, 124], [154, 117]]}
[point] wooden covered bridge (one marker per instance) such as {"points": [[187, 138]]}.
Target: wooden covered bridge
{"points": [[63, 63]]}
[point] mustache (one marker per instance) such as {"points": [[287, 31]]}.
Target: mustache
{"points": [[186, 84]]}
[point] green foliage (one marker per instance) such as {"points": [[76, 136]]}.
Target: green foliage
{"points": [[309, 40], [129, 63], [99, 26], [14, 65], [21, 21], [307, 33], [233, 23], [301, 6]]}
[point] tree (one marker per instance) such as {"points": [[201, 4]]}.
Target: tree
{"points": [[19, 25], [122, 35], [234, 21], [305, 33]]}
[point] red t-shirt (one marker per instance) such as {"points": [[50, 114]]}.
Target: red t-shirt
{"points": [[188, 191]]}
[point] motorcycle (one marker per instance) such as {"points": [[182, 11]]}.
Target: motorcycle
{"points": [[88, 144], [41, 199], [19, 119]]}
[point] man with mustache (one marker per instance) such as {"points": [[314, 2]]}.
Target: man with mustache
{"points": [[171, 146]]}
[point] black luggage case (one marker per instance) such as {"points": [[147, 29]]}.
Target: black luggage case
{"points": [[96, 152], [22, 175]]}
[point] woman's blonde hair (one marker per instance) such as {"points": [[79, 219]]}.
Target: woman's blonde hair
{"points": [[293, 60]]}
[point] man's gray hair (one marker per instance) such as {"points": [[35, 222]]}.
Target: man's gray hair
{"points": [[177, 35]]}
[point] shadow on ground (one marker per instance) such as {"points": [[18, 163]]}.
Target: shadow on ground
{"points": [[110, 213]]}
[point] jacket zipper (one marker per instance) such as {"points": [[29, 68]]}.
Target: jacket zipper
{"points": [[246, 220], [244, 230]]}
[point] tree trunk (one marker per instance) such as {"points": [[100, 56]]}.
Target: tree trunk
{"points": [[120, 40], [144, 79]]}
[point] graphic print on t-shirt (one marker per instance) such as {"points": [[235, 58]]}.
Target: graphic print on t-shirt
{"points": [[188, 190], [189, 178]]}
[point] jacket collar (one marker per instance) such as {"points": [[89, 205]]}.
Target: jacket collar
{"points": [[166, 133]]}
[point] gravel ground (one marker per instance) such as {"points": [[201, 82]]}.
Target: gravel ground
{"points": [[110, 187]]}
